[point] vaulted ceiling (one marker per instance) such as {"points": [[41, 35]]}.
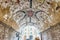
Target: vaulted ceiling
{"points": [[10, 8]]}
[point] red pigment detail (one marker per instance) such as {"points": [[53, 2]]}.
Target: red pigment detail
{"points": [[5, 1], [18, 1], [30, 13]]}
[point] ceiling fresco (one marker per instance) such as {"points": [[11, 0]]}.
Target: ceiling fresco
{"points": [[40, 12], [30, 15]]}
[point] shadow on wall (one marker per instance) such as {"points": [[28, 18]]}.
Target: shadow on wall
{"points": [[52, 33], [6, 32]]}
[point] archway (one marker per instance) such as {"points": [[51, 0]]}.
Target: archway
{"points": [[29, 32]]}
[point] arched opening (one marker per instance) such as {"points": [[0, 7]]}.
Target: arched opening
{"points": [[29, 32]]}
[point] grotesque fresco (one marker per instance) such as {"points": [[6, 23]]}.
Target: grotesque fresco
{"points": [[31, 16]]}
